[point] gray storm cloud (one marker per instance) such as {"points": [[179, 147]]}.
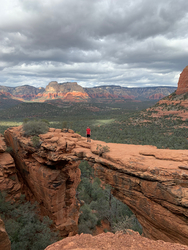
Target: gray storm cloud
{"points": [[127, 43]]}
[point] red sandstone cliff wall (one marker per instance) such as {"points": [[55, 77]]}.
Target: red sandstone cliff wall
{"points": [[48, 177], [183, 82]]}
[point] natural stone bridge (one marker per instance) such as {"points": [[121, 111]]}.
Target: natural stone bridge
{"points": [[152, 182]]}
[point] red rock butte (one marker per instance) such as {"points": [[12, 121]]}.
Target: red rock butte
{"points": [[183, 82], [152, 182]]}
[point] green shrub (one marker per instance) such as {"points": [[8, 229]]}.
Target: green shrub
{"points": [[87, 218], [127, 223], [35, 141], [9, 150], [99, 202], [35, 128], [25, 120], [46, 121], [86, 169], [102, 149], [65, 125], [83, 228]]}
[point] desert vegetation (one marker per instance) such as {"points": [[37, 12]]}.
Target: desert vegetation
{"points": [[35, 127], [24, 226], [100, 205], [111, 123]]}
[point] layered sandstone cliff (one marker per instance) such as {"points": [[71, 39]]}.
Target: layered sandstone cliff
{"points": [[8, 183], [152, 182], [183, 82], [48, 176]]}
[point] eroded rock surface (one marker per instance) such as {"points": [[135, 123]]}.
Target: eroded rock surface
{"points": [[183, 82], [110, 241], [152, 182], [49, 175], [9, 182]]}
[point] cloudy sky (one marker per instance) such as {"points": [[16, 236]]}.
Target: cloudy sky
{"points": [[93, 42]]}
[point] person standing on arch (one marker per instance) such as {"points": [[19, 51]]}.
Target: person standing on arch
{"points": [[88, 134]]}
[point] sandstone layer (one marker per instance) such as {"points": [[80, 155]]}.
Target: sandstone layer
{"points": [[183, 82], [152, 182], [48, 176], [9, 182]]}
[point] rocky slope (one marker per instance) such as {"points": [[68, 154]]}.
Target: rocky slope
{"points": [[152, 182], [109, 241]]}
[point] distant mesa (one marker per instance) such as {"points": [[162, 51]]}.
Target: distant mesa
{"points": [[69, 91], [52, 87], [183, 82], [64, 87]]}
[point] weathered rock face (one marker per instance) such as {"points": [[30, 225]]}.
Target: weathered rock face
{"points": [[183, 82], [9, 183], [8, 174], [64, 87], [4, 239], [152, 182], [49, 176]]}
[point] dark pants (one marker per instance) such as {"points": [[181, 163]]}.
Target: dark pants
{"points": [[88, 138]]}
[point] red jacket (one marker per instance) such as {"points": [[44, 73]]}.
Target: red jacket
{"points": [[88, 130]]}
